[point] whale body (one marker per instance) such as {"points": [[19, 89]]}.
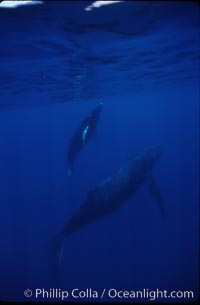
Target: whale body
{"points": [[112, 193], [82, 135]]}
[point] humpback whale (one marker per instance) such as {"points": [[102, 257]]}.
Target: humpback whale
{"points": [[82, 135], [112, 193]]}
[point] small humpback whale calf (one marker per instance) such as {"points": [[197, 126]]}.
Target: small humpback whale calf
{"points": [[112, 193], [82, 135]]}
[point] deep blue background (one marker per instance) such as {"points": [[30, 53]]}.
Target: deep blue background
{"points": [[57, 62]]}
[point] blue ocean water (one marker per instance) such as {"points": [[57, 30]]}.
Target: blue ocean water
{"points": [[57, 62]]}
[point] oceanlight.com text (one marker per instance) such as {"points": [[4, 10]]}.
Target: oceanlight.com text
{"points": [[112, 293]]}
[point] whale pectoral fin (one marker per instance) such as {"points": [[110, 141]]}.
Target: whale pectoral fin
{"points": [[84, 135], [156, 193]]}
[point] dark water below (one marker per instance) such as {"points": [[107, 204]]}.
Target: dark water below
{"points": [[57, 61]]}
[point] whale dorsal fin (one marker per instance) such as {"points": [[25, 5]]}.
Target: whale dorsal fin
{"points": [[154, 189]]}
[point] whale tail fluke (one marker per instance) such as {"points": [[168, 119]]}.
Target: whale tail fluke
{"points": [[70, 168], [69, 172], [58, 250]]}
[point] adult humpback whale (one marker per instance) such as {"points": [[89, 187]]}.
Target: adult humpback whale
{"points": [[112, 193], [82, 135]]}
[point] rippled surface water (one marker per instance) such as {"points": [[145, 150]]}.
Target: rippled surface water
{"points": [[63, 53]]}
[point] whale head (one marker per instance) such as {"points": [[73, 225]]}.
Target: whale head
{"points": [[97, 111]]}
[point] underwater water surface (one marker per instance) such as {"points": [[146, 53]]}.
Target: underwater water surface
{"points": [[57, 62]]}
